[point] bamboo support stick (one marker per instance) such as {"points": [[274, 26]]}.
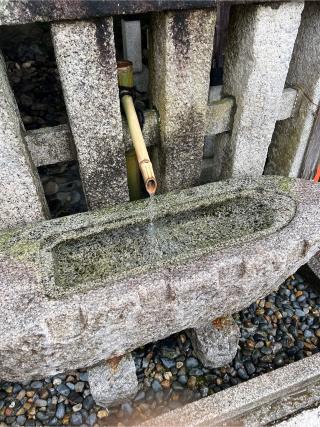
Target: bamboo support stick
{"points": [[126, 82]]}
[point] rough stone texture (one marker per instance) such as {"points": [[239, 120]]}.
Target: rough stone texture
{"points": [[256, 402], [131, 42], [310, 418], [21, 196], [86, 61], [51, 145], [113, 381], [80, 289], [265, 34], [181, 49], [55, 144], [314, 264], [291, 136], [216, 343], [23, 11]]}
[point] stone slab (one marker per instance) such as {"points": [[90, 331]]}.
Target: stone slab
{"points": [[113, 381], [265, 34], [216, 343], [259, 401], [86, 60], [21, 196], [291, 137], [310, 418], [180, 62], [24, 11], [68, 286]]}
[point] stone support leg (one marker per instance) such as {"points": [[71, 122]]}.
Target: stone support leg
{"points": [[215, 344], [113, 381]]}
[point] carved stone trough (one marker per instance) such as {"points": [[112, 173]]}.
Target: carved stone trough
{"points": [[81, 289]]}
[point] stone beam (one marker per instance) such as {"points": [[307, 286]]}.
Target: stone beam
{"points": [[292, 136], [55, 144], [75, 281], [265, 34], [86, 60], [260, 401], [180, 61], [21, 196], [24, 11]]}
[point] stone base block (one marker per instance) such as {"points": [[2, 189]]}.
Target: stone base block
{"points": [[113, 381], [216, 343]]}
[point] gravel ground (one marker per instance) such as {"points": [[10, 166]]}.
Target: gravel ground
{"points": [[280, 329]]}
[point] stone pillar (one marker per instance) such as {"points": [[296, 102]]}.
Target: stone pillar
{"points": [[113, 381], [86, 61], [215, 344], [131, 42], [21, 195], [181, 46], [260, 43], [291, 136]]}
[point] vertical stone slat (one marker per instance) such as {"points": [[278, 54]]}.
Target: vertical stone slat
{"points": [[86, 61], [292, 136], [260, 43], [181, 51], [21, 195]]}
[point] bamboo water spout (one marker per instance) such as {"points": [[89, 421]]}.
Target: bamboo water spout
{"points": [[125, 79]]}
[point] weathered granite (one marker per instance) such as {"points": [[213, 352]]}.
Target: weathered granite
{"points": [[291, 136], [113, 381], [259, 401], [309, 417], [81, 289], [260, 43], [21, 195], [23, 11], [314, 264], [180, 61], [55, 144], [50, 145], [216, 343], [86, 61]]}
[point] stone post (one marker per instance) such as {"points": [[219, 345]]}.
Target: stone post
{"points": [[181, 46], [260, 43], [86, 61], [291, 136], [21, 195]]}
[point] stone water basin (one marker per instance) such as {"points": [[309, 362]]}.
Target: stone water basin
{"points": [[81, 289]]}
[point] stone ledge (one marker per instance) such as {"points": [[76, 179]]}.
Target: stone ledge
{"points": [[256, 402]]}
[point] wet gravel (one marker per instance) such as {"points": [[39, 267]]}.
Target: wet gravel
{"points": [[279, 329]]}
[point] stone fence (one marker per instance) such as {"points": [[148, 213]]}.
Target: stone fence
{"points": [[259, 122]]}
